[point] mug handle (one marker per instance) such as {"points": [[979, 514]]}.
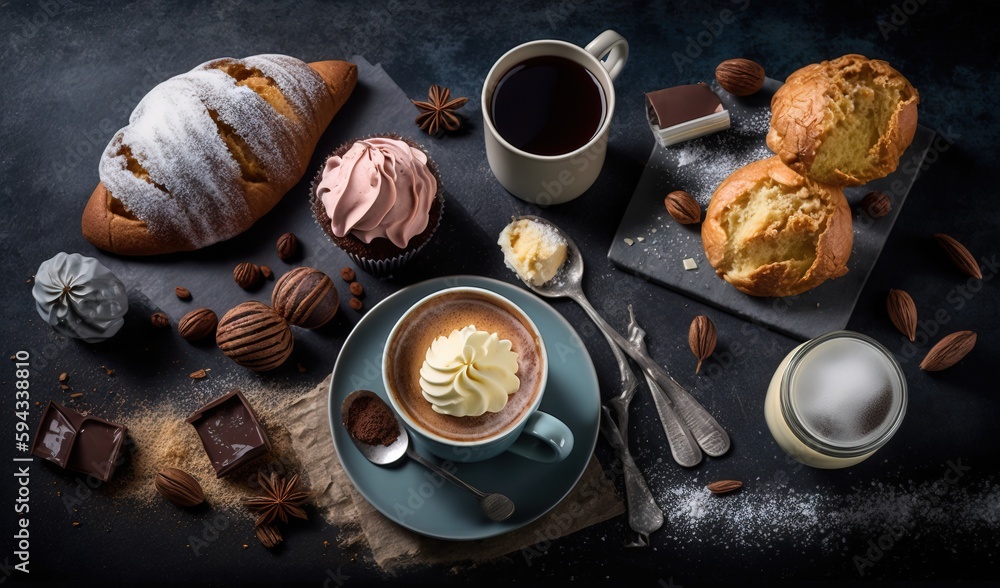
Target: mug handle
{"points": [[612, 45], [544, 438]]}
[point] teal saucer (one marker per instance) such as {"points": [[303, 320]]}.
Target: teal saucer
{"points": [[409, 493]]}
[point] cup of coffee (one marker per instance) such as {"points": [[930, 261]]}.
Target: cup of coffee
{"points": [[470, 373], [547, 107]]}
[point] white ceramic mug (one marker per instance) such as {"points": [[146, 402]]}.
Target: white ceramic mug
{"points": [[554, 179]]}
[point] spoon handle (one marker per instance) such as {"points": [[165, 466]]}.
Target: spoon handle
{"points": [[683, 445], [627, 387], [709, 434], [644, 516], [444, 473]]}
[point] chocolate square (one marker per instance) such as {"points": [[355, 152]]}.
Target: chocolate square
{"points": [[85, 444], [680, 104], [230, 432], [683, 113]]}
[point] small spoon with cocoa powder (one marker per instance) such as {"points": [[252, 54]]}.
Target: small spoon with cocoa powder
{"points": [[373, 433]]}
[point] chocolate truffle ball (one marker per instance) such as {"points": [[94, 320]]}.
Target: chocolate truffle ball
{"points": [[255, 336], [305, 297]]}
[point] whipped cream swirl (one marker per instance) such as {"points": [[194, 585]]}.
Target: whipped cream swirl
{"points": [[380, 188], [469, 373]]}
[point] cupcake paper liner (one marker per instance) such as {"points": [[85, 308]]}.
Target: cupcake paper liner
{"points": [[376, 266]]}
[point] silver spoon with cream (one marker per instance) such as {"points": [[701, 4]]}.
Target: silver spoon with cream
{"points": [[567, 282]]}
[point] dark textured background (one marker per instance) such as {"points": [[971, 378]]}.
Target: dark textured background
{"points": [[73, 70]]}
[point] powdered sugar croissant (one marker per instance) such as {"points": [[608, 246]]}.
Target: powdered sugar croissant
{"points": [[208, 152]]}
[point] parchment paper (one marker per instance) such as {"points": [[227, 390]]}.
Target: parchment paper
{"points": [[396, 548]]}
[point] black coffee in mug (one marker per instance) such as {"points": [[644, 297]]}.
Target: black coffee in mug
{"points": [[548, 105]]}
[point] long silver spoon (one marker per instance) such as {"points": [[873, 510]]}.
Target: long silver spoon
{"points": [[709, 434], [682, 443], [644, 516], [496, 507]]}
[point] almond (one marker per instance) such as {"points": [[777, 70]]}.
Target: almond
{"points": [[182, 293], [902, 312], [740, 77], [287, 247], [948, 351], [197, 324], [959, 255], [682, 207], [701, 339], [724, 486], [179, 487], [159, 320], [876, 204]]}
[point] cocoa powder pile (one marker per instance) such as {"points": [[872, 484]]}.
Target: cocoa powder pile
{"points": [[160, 438], [370, 421]]}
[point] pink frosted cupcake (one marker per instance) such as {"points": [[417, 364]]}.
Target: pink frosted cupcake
{"points": [[380, 200]]}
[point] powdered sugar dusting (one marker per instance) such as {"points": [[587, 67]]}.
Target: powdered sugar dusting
{"points": [[173, 137], [763, 514], [697, 167], [272, 139], [302, 87], [700, 165]]}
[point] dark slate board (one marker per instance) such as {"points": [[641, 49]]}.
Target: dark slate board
{"points": [[698, 167]]}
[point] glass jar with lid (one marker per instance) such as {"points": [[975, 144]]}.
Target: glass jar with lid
{"points": [[835, 400]]}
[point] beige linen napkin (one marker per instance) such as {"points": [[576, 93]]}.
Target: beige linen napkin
{"points": [[394, 548]]}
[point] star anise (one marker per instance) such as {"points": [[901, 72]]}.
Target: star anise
{"points": [[438, 112], [281, 499]]}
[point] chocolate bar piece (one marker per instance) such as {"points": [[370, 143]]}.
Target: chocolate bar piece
{"points": [[685, 112], [230, 432], [81, 443]]}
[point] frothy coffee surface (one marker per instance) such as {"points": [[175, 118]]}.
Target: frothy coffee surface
{"points": [[438, 318]]}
